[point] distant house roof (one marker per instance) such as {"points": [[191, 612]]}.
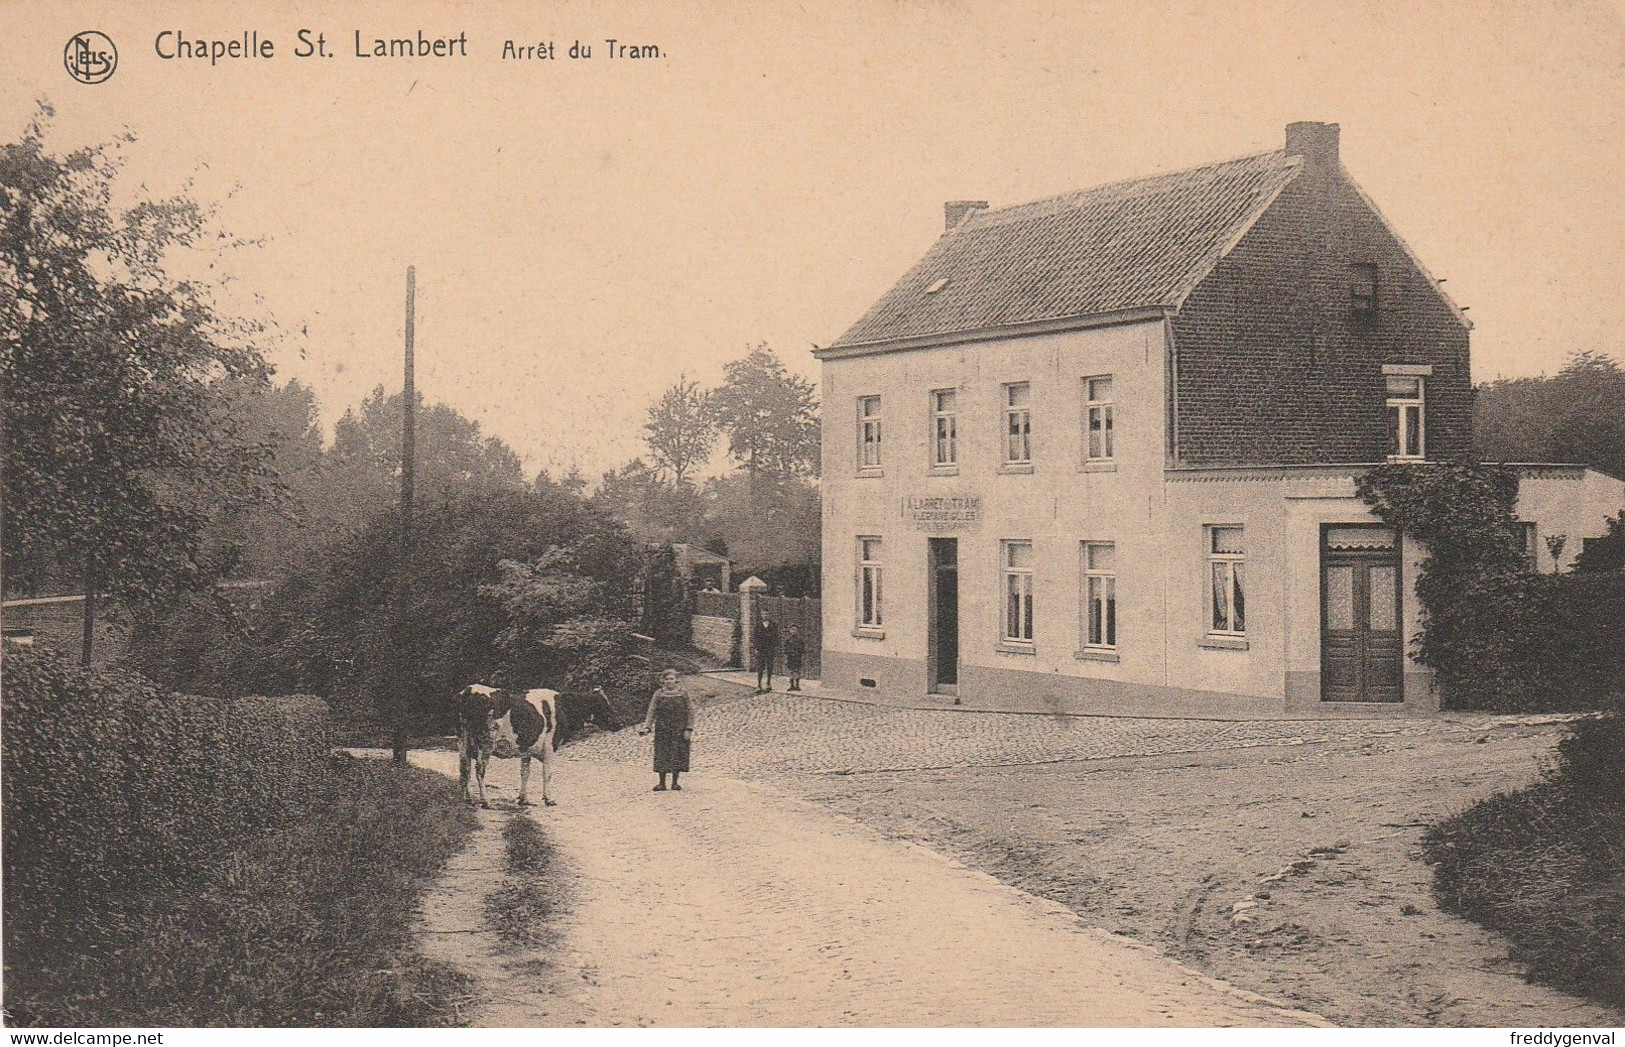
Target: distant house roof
{"points": [[1138, 244], [693, 554]]}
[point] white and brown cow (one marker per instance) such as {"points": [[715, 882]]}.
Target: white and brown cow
{"points": [[523, 724]]}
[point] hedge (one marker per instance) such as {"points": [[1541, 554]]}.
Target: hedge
{"points": [[114, 788], [1543, 866], [1541, 643]]}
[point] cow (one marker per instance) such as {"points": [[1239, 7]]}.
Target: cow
{"points": [[524, 724]]}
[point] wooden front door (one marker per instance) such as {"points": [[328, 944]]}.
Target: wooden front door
{"points": [[942, 657], [1362, 642]]}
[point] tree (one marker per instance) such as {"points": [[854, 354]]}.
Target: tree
{"points": [[267, 540], [766, 524], [454, 459], [334, 627], [119, 442], [562, 626], [1573, 416], [655, 512], [681, 429], [1605, 554], [770, 416]]}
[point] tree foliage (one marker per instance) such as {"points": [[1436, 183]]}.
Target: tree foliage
{"points": [[564, 627], [357, 626], [681, 430], [262, 541], [1574, 416], [764, 524], [120, 444], [770, 416], [1605, 554], [654, 510]]}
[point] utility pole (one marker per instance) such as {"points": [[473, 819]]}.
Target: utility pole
{"points": [[409, 403]]}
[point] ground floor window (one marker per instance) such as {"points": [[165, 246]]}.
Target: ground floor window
{"points": [[1018, 592], [870, 613], [1524, 534], [1227, 602], [1100, 594]]}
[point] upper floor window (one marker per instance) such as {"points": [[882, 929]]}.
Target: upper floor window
{"points": [[868, 432], [1018, 592], [1097, 394], [1406, 416], [1227, 602], [1363, 288], [944, 428], [869, 593], [1018, 424], [1099, 594]]}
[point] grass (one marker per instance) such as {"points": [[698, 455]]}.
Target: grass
{"points": [[307, 927], [1544, 866], [520, 907]]}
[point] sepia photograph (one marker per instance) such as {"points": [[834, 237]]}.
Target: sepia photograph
{"points": [[842, 515]]}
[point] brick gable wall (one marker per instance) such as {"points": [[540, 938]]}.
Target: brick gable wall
{"points": [[1273, 365]]}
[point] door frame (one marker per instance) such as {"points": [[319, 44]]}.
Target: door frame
{"points": [[934, 684], [1362, 560]]}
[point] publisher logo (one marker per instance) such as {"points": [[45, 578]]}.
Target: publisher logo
{"points": [[90, 57]]}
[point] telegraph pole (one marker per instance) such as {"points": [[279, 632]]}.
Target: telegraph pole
{"points": [[409, 404]]}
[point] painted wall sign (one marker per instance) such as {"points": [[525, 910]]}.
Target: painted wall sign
{"points": [[943, 512]]}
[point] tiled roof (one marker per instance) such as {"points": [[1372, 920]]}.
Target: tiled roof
{"points": [[1121, 246]]}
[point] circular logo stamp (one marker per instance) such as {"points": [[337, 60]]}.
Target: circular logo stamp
{"points": [[90, 57]]}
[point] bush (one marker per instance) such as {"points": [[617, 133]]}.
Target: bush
{"points": [[113, 788], [1543, 866], [1542, 643], [308, 926], [1499, 637]]}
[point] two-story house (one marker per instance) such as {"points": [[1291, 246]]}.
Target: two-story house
{"points": [[1098, 452]]}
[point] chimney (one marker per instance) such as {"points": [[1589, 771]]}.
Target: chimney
{"points": [[954, 211], [1315, 142]]}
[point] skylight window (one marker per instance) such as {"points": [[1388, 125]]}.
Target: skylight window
{"points": [[937, 286]]}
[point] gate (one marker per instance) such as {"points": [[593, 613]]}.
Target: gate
{"points": [[804, 613]]}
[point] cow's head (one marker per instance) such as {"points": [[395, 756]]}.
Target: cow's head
{"points": [[600, 711], [578, 709]]}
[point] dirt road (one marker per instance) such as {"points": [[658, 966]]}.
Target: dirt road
{"points": [[1281, 856], [736, 904], [1294, 871]]}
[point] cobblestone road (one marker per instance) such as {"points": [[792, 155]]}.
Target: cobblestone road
{"points": [[733, 904], [751, 736]]}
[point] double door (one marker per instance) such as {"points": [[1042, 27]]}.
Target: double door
{"points": [[1362, 642]]}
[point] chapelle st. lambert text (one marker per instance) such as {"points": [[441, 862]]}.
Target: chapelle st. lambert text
{"points": [[250, 45]]}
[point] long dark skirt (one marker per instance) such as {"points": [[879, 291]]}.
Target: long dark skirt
{"points": [[671, 750]]}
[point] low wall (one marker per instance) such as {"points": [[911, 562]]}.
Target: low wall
{"points": [[59, 624], [718, 637]]}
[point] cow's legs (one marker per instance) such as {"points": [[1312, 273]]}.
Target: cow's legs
{"points": [[524, 780], [480, 763], [547, 775], [462, 763]]}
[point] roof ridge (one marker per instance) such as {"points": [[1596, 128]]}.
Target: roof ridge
{"points": [[993, 216]]}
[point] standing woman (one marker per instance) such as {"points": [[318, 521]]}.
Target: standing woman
{"points": [[671, 717]]}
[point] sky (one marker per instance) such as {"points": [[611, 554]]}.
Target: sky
{"points": [[585, 231]]}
